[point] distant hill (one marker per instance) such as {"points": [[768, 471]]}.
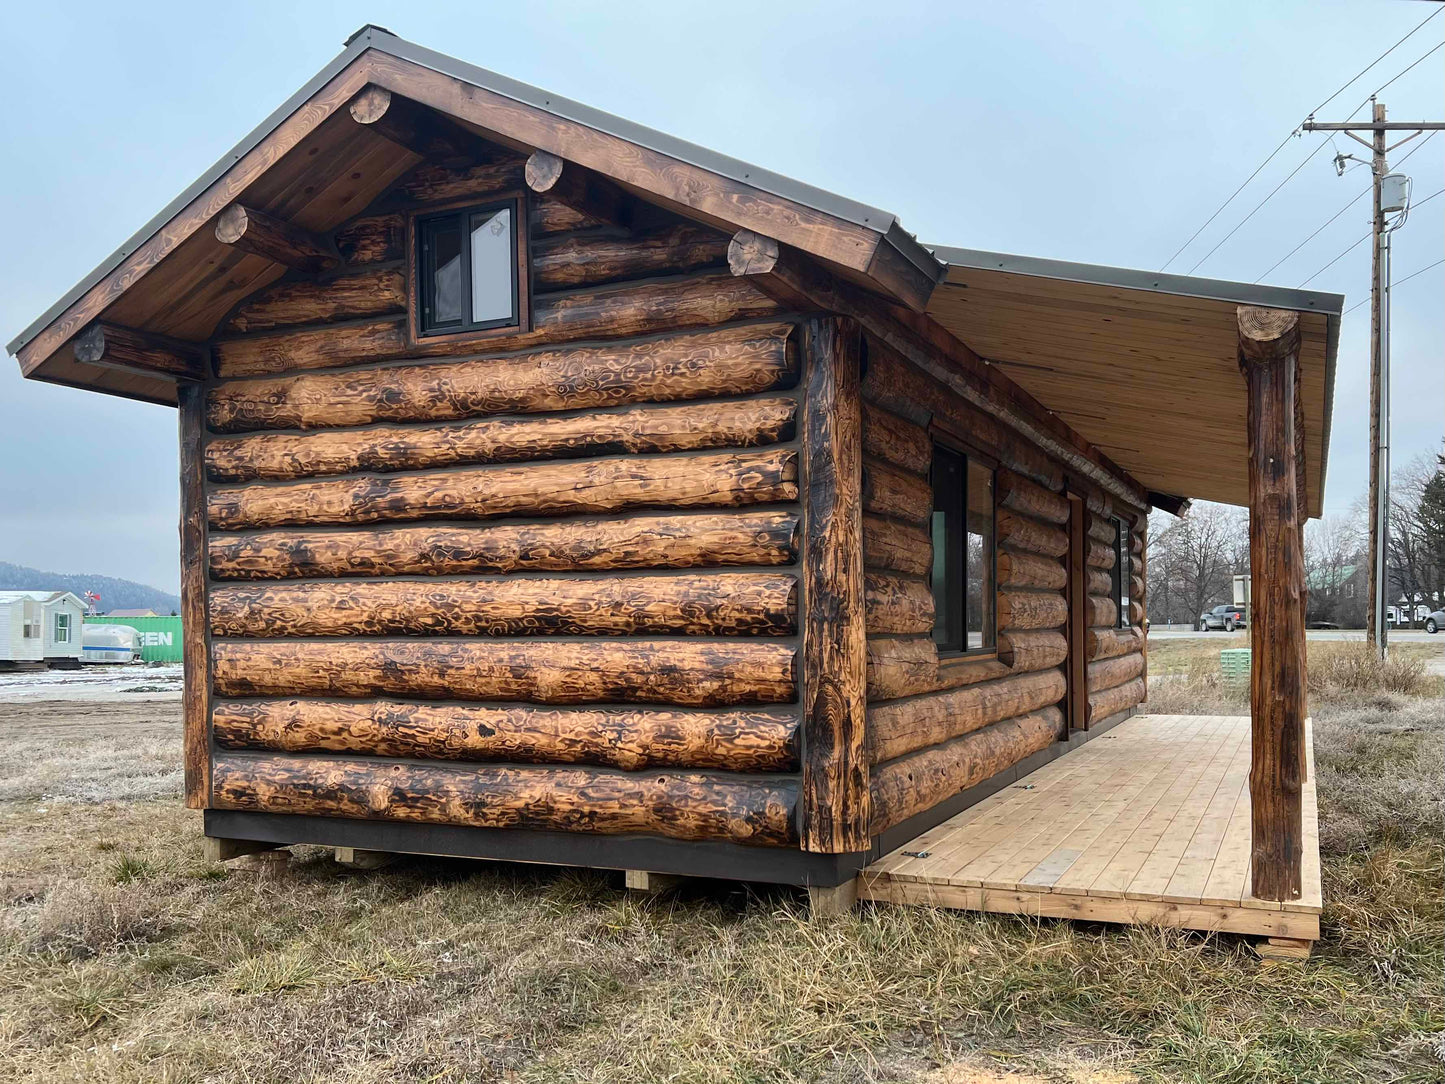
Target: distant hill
{"points": [[114, 594]]}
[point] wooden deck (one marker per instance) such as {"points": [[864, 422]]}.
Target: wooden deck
{"points": [[1148, 823]]}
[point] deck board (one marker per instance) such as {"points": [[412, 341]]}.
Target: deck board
{"points": [[1149, 823]]}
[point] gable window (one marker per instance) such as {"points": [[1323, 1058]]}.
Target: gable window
{"points": [[962, 528], [62, 628], [468, 270], [1123, 570]]}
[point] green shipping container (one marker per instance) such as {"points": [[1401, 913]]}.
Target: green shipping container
{"points": [[160, 637]]}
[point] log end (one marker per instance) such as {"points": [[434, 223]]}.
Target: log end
{"points": [[750, 253], [370, 105], [231, 225], [1267, 334], [543, 171], [90, 344]]}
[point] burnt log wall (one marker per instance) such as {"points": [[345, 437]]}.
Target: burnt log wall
{"points": [[937, 726], [548, 579]]}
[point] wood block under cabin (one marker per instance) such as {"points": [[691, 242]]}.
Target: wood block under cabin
{"points": [[1283, 948], [359, 859], [223, 850], [640, 880], [829, 902]]}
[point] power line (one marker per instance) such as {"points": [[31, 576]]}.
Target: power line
{"points": [[1341, 211], [1271, 156], [1366, 237], [1400, 282], [1426, 56], [1318, 147]]}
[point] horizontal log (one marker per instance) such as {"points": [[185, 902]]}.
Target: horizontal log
{"points": [[1100, 611], [115, 346], [1019, 569], [564, 261], [1099, 555], [692, 673], [730, 361], [899, 666], [888, 491], [1136, 545], [1107, 673], [897, 605], [919, 781], [372, 239], [550, 215], [903, 726], [896, 440], [715, 604], [1025, 533], [676, 805], [688, 427], [1105, 643], [1026, 650], [897, 546], [704, 480], [1098, 582], [1102, 529], [1137, 613], [619, 311], [434, 183], [630, 739], [1019, 494], [1112, 701], [901, 387], [1022, 609], [307, 301], [274, 239], [642, 541], [1136, 587]]}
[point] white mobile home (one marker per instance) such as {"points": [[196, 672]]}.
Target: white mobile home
{"points": [[40, 626]]}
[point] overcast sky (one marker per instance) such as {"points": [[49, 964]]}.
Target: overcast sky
{"points": [[1105, 133]]}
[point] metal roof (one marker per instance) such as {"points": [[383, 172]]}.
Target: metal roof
{"points": [[379, 38]]}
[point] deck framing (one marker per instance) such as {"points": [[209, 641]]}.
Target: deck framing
{"points": [[1148, 825]]}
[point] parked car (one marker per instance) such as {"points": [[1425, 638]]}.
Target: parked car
{"points": [[1435, 622], [1225, 617]]}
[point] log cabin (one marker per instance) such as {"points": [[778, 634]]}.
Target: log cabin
{"points": [[554, 490]]}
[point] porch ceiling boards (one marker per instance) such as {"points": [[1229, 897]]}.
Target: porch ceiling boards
{"points": [[1142, 365], [1147, 824]]}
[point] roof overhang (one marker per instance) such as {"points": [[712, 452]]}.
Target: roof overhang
{"points": [[1143, 365], [174, 278]]}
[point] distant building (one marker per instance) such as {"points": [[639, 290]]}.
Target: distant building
{"points": [[132, 613], [1338, 596], [40, 626]]}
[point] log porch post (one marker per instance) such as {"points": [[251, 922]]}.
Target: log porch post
{"points": [[834, 800], [1268, 356]]}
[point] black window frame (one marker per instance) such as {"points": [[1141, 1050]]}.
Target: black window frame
{"points": [[958, 597], [1121, 573], [424, 282]]}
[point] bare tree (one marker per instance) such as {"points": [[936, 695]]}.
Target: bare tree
{"points": [[1334, 560], [1192, 559], [1410, 569]]}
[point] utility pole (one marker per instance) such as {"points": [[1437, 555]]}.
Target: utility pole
{"points": [[1376, 622]]}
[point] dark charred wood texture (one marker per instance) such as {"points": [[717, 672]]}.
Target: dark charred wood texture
{"points": [[569, 261], [697, 673], [733, 361], [896, 440], [196, 697], [749, 740], [688, 427], [888, 491], [1268, 356], [696, 604], [307, 301], [716, 480], [618, 311], [372, 239], [834, 794], [896, 546], [919, 781], [1037, 649], [897, 605], [679, 806], [630, 542]]}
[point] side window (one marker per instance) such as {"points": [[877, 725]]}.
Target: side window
{"points": [[963, 563], [62, 628], [1123, 570], [468, 270]]}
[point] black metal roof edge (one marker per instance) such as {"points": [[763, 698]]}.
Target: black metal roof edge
{"points": [[1239, 293], [375, 37]]}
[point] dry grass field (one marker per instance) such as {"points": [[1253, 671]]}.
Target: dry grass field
{"points": [[124, 957]]}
